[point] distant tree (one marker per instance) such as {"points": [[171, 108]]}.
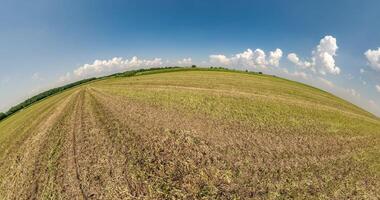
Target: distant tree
{"points": [[246, 70], [260, 73], [193, 66], [2, 116]]}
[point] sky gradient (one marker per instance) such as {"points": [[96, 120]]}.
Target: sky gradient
{"points": [[46, 43]]}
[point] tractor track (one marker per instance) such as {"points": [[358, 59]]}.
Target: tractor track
{"points": [[40, 140], [77, 127]]}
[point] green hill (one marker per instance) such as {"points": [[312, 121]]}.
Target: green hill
{"points": [[190, 134]]}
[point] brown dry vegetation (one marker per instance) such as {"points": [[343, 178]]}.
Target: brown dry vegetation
{"points": [[191, 135]]}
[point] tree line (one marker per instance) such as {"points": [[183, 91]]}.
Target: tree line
{"points": [[41, 96], [53, 91]]}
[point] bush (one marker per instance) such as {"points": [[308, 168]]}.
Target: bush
{"points": [[193, 66], [2, 116]]}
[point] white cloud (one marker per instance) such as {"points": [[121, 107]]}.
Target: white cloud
{"points": [[322, 59], [185, 62], [104, 67], [292, 57], [219, 60], [373, 58], [326, 82], [378, 88], [362, 71], [248, 59], [274, 57], [100, 67], [258, 58]]}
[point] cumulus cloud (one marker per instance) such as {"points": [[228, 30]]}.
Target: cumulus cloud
{"points": [[378, 88], [323, 57], [185, 62], [103, 67], [292, 57], [114, 64], [219, 60], [274, 57], [248, 59], [373, 58]]}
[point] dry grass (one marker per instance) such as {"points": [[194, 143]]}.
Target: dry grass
{"points": [[191, 135]]}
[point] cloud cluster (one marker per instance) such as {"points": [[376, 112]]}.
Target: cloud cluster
{"points": [[248, 59], [323, 57], [275, 57], [115, 64], [373, 58], [292, 57], [185, 62], [103, 67]]}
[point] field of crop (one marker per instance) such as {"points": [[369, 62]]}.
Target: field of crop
{"points": [[191, 135]]}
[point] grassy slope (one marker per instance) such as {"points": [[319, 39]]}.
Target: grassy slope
{"points": [[191, 134]]}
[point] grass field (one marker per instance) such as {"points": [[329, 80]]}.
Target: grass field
{"points": [[191, 135]]}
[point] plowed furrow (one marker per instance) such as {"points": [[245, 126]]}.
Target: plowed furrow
{"points": [[69, 177], [110, 141], [77, 128]]}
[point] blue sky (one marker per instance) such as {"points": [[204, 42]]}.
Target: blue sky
{"points": [[43, 43]]}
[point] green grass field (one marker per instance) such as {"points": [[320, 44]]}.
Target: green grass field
{"points": [[191, 134]]}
